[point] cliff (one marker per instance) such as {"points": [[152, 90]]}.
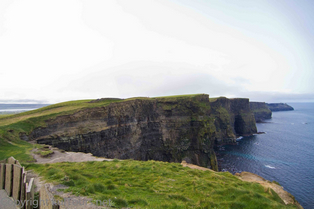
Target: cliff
{"points": [[279, 107], [233, 118], [261, 111], [168, 129]]}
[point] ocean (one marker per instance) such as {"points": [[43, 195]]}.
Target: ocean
{"points": [[285, 153], [17, 108]]}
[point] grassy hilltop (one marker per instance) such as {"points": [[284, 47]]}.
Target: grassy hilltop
{"points": [[12, 125], [131, 183]]}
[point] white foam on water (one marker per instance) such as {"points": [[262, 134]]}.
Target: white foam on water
{"points": [[239, 138], [271, 167]]}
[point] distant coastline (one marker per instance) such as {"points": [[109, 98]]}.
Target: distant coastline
{"points": [[279, 107], [18, 108]]}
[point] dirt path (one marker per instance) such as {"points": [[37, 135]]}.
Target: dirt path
{"points": [[71, 201], [185, 164], [6, 201], [61, 156]]}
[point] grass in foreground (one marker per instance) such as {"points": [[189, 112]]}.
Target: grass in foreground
{"points": [[153, 184]]}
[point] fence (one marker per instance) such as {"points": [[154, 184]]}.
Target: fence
{"points": [[46, 198], [13, 181]]}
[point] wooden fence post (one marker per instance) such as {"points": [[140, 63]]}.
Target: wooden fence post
{"points": [[11, 160], [30, 194], [17, 174], [23, 187], [8, 179], [2, 175], [13, 181]]}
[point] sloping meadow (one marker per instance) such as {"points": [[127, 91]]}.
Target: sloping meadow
{"points": [[154, 184]]}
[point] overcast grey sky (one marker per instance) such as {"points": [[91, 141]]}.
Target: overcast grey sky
{"points": [[59, 50]]}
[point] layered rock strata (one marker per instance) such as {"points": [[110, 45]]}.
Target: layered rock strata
{"points": [[167, 129], [261, 111]]}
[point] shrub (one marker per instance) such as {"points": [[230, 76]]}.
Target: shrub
{"points": [[119, 203], [99, 187]]}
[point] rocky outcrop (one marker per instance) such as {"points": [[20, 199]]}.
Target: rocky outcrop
{"points": [[233, 118], [279, 107], [168, 129], [261, 111]]}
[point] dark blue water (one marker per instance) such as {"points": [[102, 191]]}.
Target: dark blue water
{"points": [[285, 153]]}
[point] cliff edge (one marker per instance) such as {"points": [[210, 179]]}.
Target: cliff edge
{"points": [[261, 111], [168, 129], [279, 107]]}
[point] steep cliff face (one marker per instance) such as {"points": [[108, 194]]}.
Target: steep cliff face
{"points": [[279, 107], [261, 111], [233, 118], [168, 129]]}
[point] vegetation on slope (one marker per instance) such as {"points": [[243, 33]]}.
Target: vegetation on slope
{"points": [[132, 183], [153, 184], [12, 125]]}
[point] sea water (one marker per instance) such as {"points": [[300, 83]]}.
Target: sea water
{"points": [[17, 108], [285, 153]]}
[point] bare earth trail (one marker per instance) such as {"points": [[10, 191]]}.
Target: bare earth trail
{"points": [[59, 156], [70, 201]]}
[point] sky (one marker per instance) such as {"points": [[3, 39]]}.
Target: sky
{"points": [[59, 50]]}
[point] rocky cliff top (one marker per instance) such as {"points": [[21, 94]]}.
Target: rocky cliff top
{"points": [[172, 128], [261, 111], [279, 107]]}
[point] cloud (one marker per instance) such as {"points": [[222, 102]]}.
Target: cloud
{"points": [[151, 79], [44, 40], [65, 50]]}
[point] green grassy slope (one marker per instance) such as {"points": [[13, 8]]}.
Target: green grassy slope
{"points": [[131, 183], [153, 184], [12, 125]]}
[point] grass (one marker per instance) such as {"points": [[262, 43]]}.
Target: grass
{"points": [[12, 125], [19, 149], [52, 110], [44, 152], [4, 115], [131, 183], [153, 184], [178, 96]]}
